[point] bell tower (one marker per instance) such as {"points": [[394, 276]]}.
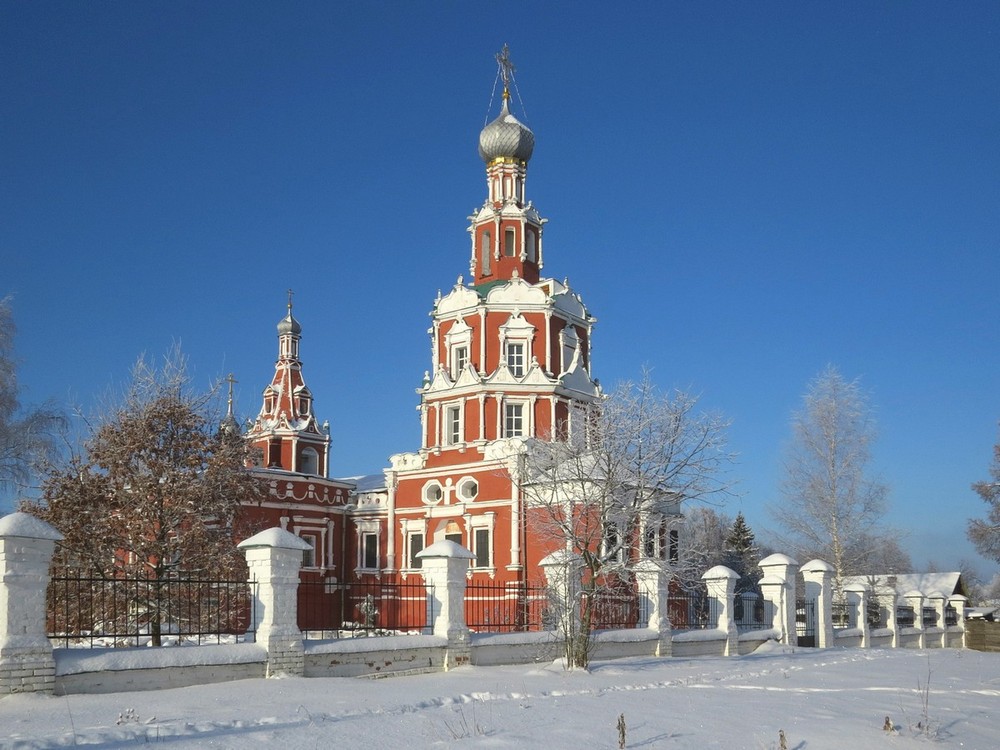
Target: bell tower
{"points": [[507, 231], [285, 431]]}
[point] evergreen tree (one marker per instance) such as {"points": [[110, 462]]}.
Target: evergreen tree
{"points": [[741, 554]]}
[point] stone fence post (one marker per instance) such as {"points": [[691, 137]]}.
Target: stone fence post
{"points": [[778, 588], [937, 600], [26, 661], [274, 557], [818, 576], [653, 585], [890, 600], [563, 575], [915, 600], [721, 584], [444, 569], [958, 602], [857, 599]]}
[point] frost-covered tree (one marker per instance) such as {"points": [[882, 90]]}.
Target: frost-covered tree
{"points": [[985, 533], [155, 494], [609, 495], [27, 436], [833, 507], [702, 542]]}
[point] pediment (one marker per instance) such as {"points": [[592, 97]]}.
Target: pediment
{"points": [[571, 304], [517, 292], [468, 376], [441, 381], [459, 298]]}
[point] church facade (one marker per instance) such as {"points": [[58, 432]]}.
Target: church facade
{"points": [[511, 361]]}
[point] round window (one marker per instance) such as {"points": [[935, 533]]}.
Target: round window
{"points": [[468, 489]]}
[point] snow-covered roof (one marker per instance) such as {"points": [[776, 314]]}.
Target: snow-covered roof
{"points": [[947, 583], [366, 482]]}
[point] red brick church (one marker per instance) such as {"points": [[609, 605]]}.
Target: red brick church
{"points": [[511, 360]]}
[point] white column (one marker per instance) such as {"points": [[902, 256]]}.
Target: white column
{"points": [[444, 569], [818, 576], [958, 602], [26, 661], [778, 587], [916, 600], [274, 557], [937, 600], [653, 584], [857, 599], [721, 584]]}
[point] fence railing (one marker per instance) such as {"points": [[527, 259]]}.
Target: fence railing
{"points": [[692, 610], [369, 608], [93, 611], [502, 608], [616, 609]]}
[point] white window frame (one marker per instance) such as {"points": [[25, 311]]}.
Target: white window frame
{"points": [[432, 492], [480, 523], [454, 421], [367, 529], [522, 417], [517, 368], [309, 459], [467, 489]]}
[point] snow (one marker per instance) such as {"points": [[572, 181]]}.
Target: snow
{"points": [[834, 698], [26, 525], [381, 643], [275, 537], [78, 660]]}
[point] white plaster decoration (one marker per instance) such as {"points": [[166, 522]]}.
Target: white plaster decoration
{"points": [[517, 292]]}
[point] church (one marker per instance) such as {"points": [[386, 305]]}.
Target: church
{"points": [[511, 361]]}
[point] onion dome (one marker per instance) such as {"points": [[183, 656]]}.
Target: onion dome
{"points": [[506, 137], [289, 324]]}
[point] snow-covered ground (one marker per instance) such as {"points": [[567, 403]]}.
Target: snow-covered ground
{"points": [[821, 699]]}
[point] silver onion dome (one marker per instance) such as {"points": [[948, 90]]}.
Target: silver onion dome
{"points": [[506, 137], [289, 324]]}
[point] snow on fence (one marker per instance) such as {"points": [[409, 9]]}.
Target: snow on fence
{"points": [[453, 621]]}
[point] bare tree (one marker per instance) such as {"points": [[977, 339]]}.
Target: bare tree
{"points": [[27, 436], [985, 534], [702, 543], [833, 508], [610, 495], [157, 490]]}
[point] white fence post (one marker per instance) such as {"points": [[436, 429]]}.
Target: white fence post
{"points": [[938, 601], [891, 619], [778, 588], [444, 566], [958, 602], [721, 584], [563, 571], [916, 601], [857, 599], [818, 577], [274, 557], [26, 661], [653, 587]]}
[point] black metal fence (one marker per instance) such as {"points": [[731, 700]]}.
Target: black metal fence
{"points": [[692, 610], [84, 610], [369, 608], [616, 609], [502, 608]]}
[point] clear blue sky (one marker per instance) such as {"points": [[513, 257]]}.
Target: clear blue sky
{"points": [[743, 193]]}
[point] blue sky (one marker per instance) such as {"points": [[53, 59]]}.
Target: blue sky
{"points": [[743, 193]]}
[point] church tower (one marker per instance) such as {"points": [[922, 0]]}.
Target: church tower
{"points": [[510, 361], [285, 434]]}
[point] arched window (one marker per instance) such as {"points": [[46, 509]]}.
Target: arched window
{"points": [[309, 461], [529, 241], [485, 251]]}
